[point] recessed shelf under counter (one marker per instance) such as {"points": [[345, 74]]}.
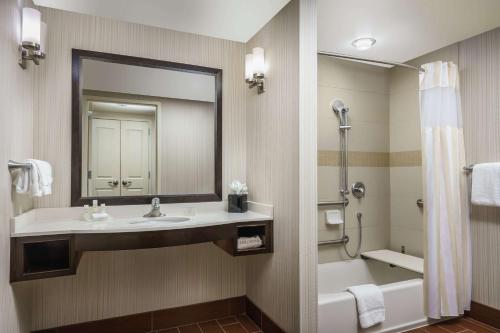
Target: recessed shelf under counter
{"points": [[49, 242]]}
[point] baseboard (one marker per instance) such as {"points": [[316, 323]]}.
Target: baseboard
{"points": [[260, 318], [157, 320], [162, 319], [485, 314]]}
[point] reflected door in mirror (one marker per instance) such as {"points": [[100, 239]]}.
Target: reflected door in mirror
{"points": [[120, 157]]}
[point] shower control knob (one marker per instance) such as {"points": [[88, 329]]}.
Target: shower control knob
{"points": [[358, 190]]}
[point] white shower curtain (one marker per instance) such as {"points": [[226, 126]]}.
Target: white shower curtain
{"points": [[447, 251]]}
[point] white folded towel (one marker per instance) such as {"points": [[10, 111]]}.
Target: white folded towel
{"points": [[370, 303], [21, 180], [245, 243], [486, 184], [41, 177], [334, 216]]}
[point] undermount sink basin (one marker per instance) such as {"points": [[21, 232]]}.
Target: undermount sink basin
{"points": [[164, 219]]}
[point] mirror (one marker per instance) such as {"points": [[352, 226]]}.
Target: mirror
{"points": [[145, 128]]}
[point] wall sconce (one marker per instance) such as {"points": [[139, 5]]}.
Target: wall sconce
{"points": [[34, 38], [254, 69]]}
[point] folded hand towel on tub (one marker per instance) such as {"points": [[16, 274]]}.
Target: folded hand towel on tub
{"points": [[370, 304]]}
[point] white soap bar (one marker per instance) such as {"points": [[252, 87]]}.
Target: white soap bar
{"points": [[334, 216], [99, 216]]}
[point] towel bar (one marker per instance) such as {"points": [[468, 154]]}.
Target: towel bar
{"points": [[17, 165]]}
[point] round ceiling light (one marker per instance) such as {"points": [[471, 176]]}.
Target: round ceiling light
{"points": [[364, 43]]}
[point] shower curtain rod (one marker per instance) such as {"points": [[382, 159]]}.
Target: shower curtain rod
{"points": [[348, 57]]}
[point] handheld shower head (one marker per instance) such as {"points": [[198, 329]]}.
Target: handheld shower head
{"points": [[341, 110], [338, 106]]}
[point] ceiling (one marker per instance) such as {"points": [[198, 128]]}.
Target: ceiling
{"points": [[236, 20], [122, 107], [404, 29]]}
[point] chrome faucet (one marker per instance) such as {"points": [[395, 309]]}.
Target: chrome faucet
{"points": [[155, 209]]}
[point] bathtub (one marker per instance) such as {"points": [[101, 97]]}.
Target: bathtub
{"points": [[402, 289]]}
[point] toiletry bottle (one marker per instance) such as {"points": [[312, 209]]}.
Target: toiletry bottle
{"points": [[102, 208], [86, 213], [94, 207]]}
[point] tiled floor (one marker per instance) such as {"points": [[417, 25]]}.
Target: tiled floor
{"points": [[237, 324], [461, 325]]}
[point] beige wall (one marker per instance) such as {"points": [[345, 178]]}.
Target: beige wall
{"points": [[273, 168], [186, 138], [365, 90], [119, 283], [16, 128], [480, 88], [406, 172]]}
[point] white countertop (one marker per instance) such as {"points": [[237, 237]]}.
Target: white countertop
{"points": [[54, 221]]}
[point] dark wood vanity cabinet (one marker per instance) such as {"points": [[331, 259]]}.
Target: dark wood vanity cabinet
{"points": [[40, 257]]}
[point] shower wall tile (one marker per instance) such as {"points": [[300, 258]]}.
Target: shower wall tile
{"points": [[328, 183], [406, 158], [369, 136], [406, 181], [378, 239], [404, 136], [376, 180], [365, 90], [363, 136], [374, 207], [374, 105], [411, 239], [405, 148], [356, 158], [352, 75]]}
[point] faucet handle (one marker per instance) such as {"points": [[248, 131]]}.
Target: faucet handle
{"points": [[155, 203]]}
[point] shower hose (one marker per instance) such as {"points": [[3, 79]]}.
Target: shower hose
{"points": [[359, 216]]}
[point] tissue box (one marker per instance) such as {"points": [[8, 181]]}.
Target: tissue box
{"points": [[237, 203]]}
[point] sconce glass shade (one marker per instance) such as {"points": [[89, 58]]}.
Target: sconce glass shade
{"points": [[249, 66], [31, 28], [43, 37], [258, 60]]}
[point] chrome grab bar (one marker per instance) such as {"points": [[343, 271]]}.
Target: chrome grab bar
{"points": [[468, 169], [342, 240], [334, 203]]}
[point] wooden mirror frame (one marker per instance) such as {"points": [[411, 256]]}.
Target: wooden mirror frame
{"points": [[76, 128]]}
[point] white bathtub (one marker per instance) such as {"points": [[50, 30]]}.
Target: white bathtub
{"points": [[402, 289]]}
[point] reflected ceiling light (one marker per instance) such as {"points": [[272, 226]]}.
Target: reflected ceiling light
{"points": [[365, 43]]}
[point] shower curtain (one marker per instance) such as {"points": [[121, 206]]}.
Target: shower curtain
{"points": [[447, 249]]}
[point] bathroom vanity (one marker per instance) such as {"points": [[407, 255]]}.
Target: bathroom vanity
{"points": [[50, 242], [157, 136]]}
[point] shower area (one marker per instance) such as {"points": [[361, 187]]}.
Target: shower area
{"points": [[369, 182]]}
